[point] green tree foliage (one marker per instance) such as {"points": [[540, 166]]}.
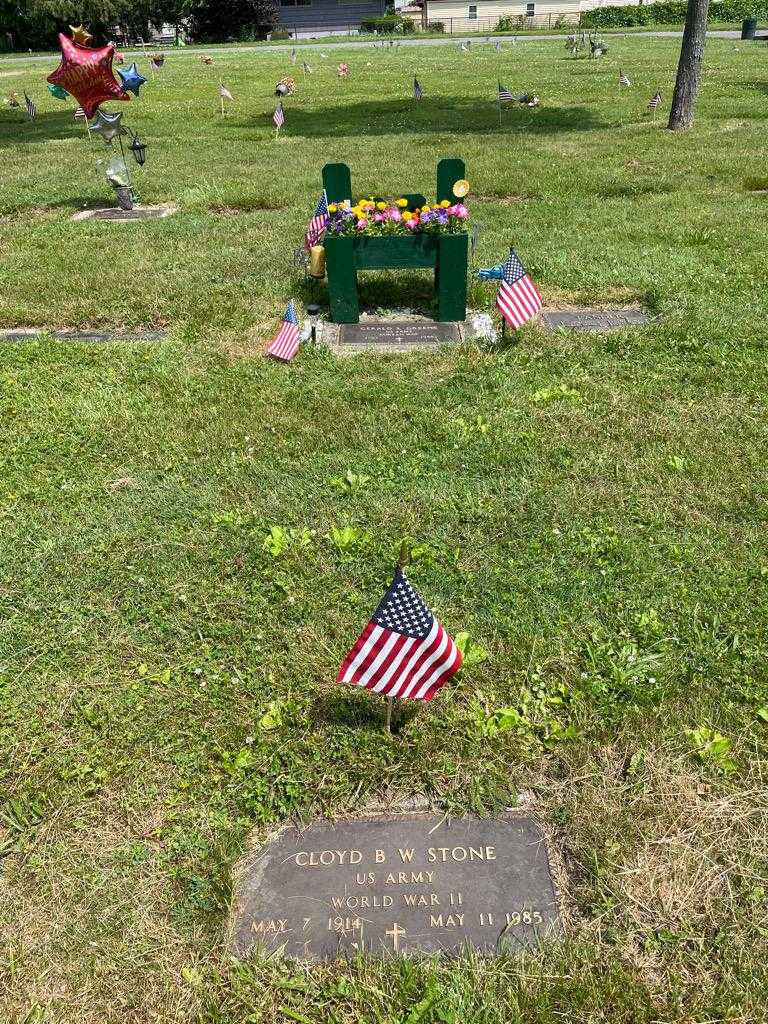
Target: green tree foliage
{"points": [[222, 20], [672, 12], [34, 23]]}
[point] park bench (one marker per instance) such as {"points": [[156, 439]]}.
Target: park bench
{"points": [[446, 254]]}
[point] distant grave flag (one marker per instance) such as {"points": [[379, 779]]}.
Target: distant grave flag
{"points": [[278, 117], [293, 55], [31, 108], [306, 68], [654, 101], [498, 45], [623, 80], [403, 651], [505, 96], [318, 223], [463, 47], [224, 94], [79, 112], [518, 299], [286, 342], [418, 92]]}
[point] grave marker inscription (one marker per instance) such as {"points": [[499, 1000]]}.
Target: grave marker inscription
{"points": [[404, 884]]}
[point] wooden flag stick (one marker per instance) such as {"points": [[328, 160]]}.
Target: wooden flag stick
{"points": [[404, 559], [390, 702]]}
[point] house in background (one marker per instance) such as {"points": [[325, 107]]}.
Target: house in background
{"points": [[327, 17], [484, 15]]}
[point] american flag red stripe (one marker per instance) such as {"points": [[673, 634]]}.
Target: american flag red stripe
{"points": [[518, 299], [403, 651], [318, 223], [518, 302], [286, 342]]}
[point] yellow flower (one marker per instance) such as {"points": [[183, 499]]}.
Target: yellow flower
{"points": [[445, 203], [435, 206], [332, 208], [402, 203], [381, 206]]}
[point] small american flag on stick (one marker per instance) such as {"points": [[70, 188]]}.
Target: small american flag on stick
{"points": [[278, 117], [318, 223], [306, 68], [518, 299], [623, 80], [286, 342], [31, 108], [418, 92], [505, 96], [403, 651], [654, 101]]}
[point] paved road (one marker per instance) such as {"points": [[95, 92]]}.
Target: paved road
{"points": [[219, 51]]}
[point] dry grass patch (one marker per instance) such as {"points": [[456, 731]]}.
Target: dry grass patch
{"points": [[665, 859], [85, 930]]}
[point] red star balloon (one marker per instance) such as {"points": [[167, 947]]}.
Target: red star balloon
{"points": [[86, 73]]}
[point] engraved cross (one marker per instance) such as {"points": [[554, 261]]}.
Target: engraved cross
{"points": [[395, 931]]}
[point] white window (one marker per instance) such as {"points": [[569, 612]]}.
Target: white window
{"points": [[530, 10], [472, 16]]}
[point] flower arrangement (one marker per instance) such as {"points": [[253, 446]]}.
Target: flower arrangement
{"points": [[378, 217]]}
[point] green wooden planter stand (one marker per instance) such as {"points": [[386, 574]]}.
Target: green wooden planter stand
{"points": [[344, 256]]}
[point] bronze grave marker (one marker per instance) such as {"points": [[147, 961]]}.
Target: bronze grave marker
{"points": [[404, 885]]}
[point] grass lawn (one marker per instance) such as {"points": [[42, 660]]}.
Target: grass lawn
{"points": [[591, 508]]}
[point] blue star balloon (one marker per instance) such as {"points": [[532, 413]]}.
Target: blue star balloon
{"points": [[132, 79]]}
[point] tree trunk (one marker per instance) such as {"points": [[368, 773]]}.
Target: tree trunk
{"points": [[689, 66]]}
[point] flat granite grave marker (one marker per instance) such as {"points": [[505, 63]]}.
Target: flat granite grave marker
{"points": [[118, 216], [396, 336], [404, 884], [596, 319]]}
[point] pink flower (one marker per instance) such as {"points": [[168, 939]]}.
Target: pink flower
{"points": [[362, 224], [379, 217], [394, 214], [460, 211], [412, 224]]}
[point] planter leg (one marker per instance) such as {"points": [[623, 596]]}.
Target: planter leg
{"points": [[451, 278], [342, 288]]}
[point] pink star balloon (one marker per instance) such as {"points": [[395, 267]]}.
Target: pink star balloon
{"points": [[86, 73]]}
